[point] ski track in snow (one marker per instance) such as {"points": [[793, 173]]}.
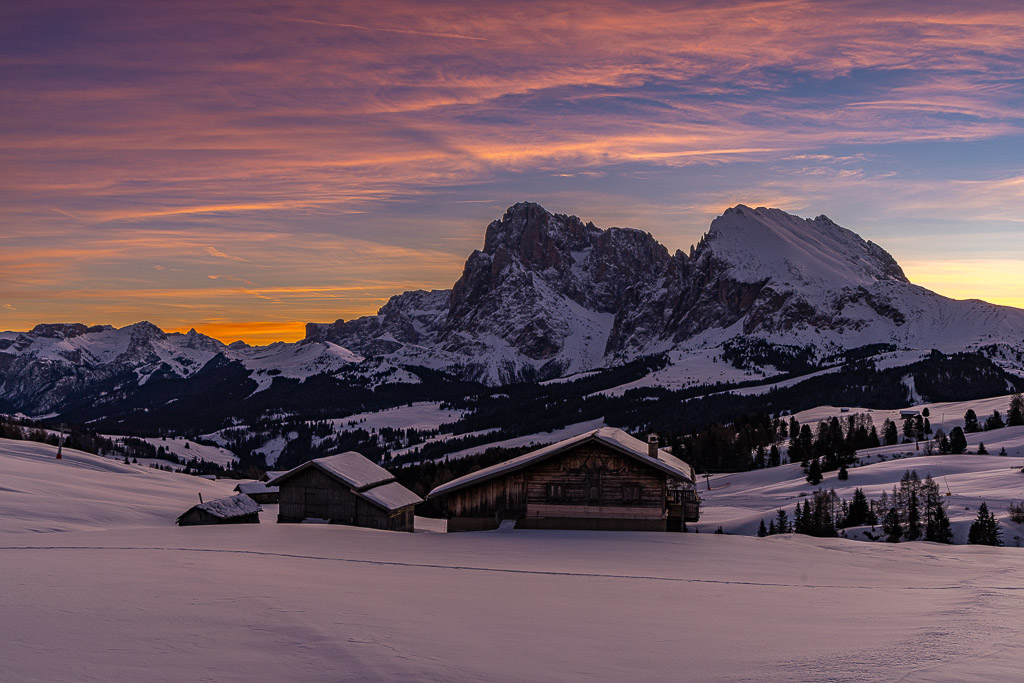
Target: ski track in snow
{"points": [[507, 570]]}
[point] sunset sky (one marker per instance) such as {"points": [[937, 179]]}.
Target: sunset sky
{"points": [[246, 167]]}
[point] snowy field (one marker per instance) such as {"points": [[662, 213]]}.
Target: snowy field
{"points": [[114, 591], [176, 446], [941, 415]]}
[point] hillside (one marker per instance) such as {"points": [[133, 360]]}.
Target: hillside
{"points": [[319, 602]]}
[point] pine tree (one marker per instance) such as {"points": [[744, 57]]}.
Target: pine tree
{"points": [[891, 526], [971, 423], [913, 517], [843, 473], [814, 473], [981, 448], [1015, 416], [890, 433], [771, 528], [762, 530], [995, 421], [774, 458], [782, 521], [957, 441], [985, 528]]}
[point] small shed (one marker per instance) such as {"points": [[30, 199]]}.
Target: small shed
{"points": [[345, 489], [240, 509], [603, 479], [258, 491]]}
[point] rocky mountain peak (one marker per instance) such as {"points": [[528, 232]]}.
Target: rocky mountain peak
{"points": [[771, 245]]}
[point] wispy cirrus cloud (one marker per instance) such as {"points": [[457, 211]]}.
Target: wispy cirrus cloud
{"points": [[130, 132]]}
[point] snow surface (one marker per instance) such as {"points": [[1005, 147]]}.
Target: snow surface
{"points": [[352, 468], [233, 506], [138, 598], [176, 446], [391, 496], [943, 416], [739, 501], [256, 487], [422, 415]]}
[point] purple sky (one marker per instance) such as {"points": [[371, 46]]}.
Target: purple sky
{"points": [[245, 167]]}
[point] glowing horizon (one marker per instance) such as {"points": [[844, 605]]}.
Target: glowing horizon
{"points": [[248, 167]]}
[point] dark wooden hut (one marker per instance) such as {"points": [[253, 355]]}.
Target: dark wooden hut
{"points": [[259, 491], [603, 479], [345, 489], [240, 509]]}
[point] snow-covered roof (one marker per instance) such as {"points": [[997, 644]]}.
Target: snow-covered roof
{"points": [[609, 436], [391, 496], [250, 487], [350, 468], [225, 508]]}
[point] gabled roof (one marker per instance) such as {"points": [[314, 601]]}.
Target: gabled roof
{"points": [[391, 497], [615, 439], [226, 508], [368, 480], [351, 469], [250, 487]]}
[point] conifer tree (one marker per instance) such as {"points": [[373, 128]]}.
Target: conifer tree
{"points": [[981, 448], [762, 530], [843, 474], [971, 423], [957, 441], [985, 528], [782, 520], [774, 458], [890, 433], [913, 517], [1015, 416], [995, 421], [891, 526], [814, 473], [771, 528]]}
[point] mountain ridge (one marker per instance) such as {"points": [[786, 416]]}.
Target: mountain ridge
{"points": [[550, 295]]}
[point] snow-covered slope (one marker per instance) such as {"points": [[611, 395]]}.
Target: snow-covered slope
{"points": [[131, 596]]}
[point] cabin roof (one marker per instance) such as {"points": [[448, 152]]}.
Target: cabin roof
{"points": [[250, 487], [609, 436], [350, 468], [226, 508], [391, 496]]}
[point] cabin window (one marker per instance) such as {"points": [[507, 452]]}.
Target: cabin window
{"points": [[555, 492], [631, 493]]}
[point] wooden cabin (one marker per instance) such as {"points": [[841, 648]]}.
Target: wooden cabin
{"points": [[345, 489], [240, 509], [603, 479], [259, 491]]}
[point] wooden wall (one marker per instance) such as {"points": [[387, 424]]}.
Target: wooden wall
{"points": [[313, 494], [589, 487], [196, 516]]}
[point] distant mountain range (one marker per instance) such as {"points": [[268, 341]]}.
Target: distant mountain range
{"points": [[550, 296]]}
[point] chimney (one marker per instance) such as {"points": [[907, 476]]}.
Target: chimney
{"points": [[652, 445]]}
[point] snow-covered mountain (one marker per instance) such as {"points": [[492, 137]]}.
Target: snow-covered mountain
{"points": [[52, 364], [550, 295]]}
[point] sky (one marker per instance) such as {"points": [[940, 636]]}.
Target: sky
{"points": [[245, 167]]}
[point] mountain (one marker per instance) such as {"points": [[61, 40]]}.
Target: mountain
{"points": [[548, 296], [54, 366]]}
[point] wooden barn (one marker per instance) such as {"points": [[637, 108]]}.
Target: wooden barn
{"points": [[240, 509], [603, 479], [345, 489], [259, 491]]}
